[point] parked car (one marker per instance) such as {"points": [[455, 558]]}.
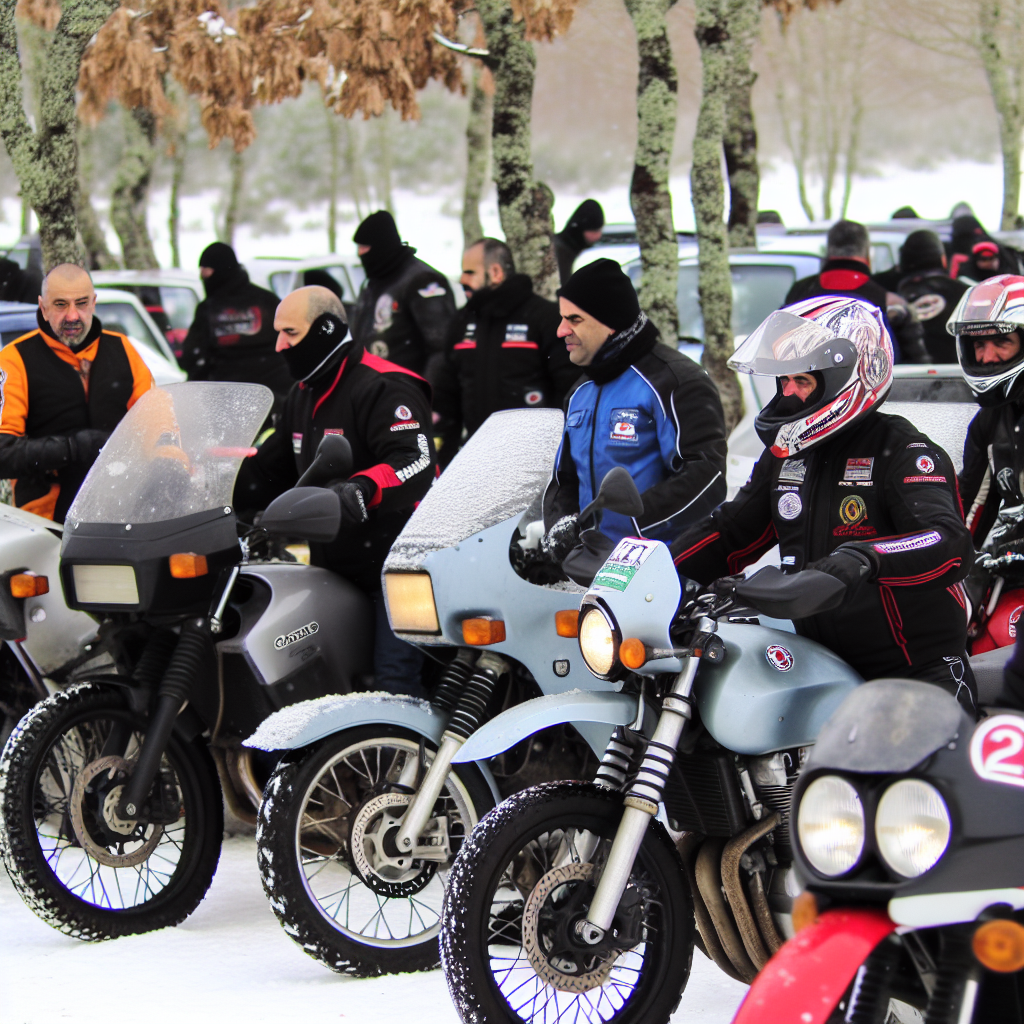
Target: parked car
{"points": [[282, 276], [169, 296]]}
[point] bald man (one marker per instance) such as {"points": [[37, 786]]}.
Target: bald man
{"points": [[63, 389], [384, 412]]}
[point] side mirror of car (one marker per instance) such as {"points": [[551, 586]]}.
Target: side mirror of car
{"points": [[306, 513], [333, 461], [617, 493]]}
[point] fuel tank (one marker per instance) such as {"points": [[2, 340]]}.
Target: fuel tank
{"points": [[773, 690]]}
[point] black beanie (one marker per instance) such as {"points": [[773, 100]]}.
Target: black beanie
{"points": [[324, 279], [387, 252], [221, 259], [588, 216], [923, 250], [605, 292]]}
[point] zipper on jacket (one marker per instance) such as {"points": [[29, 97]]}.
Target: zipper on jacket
{"points": [[593, 435]]}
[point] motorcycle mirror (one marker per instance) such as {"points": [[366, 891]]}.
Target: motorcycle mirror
{"points": [[306, 513], [791, 596], [333, 461], [617, 493]]}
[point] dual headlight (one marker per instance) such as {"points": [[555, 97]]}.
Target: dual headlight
{"points": [[912, 826], [599, 642]]}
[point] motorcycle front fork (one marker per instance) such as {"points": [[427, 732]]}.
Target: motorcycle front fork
{"points": [[644, 796]]}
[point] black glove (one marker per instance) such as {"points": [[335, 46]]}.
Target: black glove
{"points": [[848, 565], [85, 445], [354, 495], [560, 539]]}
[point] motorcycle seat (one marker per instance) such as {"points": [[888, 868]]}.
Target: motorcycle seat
{"points": [[988, 671]]}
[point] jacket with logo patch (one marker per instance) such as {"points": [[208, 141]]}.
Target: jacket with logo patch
{"points": [[383, 411], [881, 487], [933, 296], [504, 353], [405, 316], [48, 393], [661, 419], [993, 467]]}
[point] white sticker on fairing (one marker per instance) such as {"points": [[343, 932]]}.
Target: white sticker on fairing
{"points": [[896, 547], [629, 554], [997, 750], [790, 505]]}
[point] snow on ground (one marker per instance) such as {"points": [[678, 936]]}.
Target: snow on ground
{"points": [[231, 962]]}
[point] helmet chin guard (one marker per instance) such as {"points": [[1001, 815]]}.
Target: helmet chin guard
{"points": [[842, 340]]}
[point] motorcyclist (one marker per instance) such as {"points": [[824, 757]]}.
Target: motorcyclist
{"points": [[640, 405], [847, 490], [383, 411]]}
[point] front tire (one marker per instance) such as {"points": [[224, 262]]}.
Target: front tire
{"points": [[60, 879], [330, 902], [508, 916]]}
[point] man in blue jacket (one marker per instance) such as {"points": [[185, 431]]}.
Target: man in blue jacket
{"points": [[640, 405]]}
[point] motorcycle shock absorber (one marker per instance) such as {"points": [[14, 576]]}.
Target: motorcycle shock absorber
{"points": [[446, 694], [468, 713], [192, 648], [616, 761]]}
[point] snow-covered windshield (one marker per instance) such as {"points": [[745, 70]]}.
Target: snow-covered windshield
{"points": [[503, 468], [175, 453]]}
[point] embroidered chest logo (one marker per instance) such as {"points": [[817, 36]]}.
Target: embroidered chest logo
{"points": [[858, 470], [403, 412], [790, 505], [516, 332], [853, 513], [432, 291], [533, 397], [624, 426], [793, 471], [1004, 478], [925, 464]]}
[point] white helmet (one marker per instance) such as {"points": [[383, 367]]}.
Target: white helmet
{"points": [[844, 343]]}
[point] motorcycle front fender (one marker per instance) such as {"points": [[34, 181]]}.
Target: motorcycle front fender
{"points": [[804, 981], [577, 707]]}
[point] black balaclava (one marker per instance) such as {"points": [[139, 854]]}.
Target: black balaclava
{"points": [[966, 233], [221, 259], [905, 213], [387, 251], [588, 216], [922, 250], [790, 405], [326, 341], [325, 280]]}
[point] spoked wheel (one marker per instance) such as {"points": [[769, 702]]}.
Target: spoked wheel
{"points": [[509, 945], [326, 850], [74, 861]]}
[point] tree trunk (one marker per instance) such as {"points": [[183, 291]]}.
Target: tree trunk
{"points": [[130, 195], [97, 255], [478, 154], [46, 159], [708, 192], [740, 139], [237, 165], [334, 141], [354, 167], [384, 192], [175, 129], [649, 195], [524, 204]]}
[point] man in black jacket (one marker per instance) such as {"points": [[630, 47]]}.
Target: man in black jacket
{"points": [[504, 351], [583, 229], [847, 271], [383, 411], [405, 307], [232, 336], [849, 491]]}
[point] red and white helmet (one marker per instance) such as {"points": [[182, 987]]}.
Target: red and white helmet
{"points": [[995, 306], [844, 343]]}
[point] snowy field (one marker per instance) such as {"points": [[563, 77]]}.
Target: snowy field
{"points": [[230, 961]]}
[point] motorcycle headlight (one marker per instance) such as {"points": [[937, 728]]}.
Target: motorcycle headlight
{"points": [[912, 827], [105, 584], [411, 602], [598, 643], [830, 824]]}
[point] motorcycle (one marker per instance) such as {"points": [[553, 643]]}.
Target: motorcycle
{"points": [[362, 817], [570, 900], [111, 814], [909, 836], [1000, 601]]}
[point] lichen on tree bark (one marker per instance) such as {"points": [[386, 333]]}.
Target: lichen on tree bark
{"points": [[97, 255], [524, 204], [478, 153], [46, 158], [130, 195], [740, 136], [649, 195]]}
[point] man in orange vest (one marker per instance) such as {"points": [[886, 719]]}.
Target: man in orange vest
{"points": [[63, 389]]}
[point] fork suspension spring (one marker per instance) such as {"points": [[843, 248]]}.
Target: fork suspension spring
{"points": [[473, 701], [616, 761], [446, 695]]}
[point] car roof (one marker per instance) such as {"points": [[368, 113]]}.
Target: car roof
{"points": [[169, 276]]}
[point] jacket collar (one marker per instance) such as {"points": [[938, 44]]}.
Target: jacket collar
{"points": [[94, 332], [501, 301], [601, 371]]}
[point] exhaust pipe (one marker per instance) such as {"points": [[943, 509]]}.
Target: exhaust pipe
{"points": [[708, 874]]}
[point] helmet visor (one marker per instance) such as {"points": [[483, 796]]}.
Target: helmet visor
{"points": [[980, 310], [786, 344]]}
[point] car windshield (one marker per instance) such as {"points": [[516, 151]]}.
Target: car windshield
{"points": [[176, 453], [503, 468], [179, 304], [124, 319]]}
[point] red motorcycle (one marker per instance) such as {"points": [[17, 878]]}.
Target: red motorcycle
{"points": [[994, 624]]}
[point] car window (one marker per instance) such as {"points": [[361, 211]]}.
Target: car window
{"points": [[881, 257], [125, 319], [280, 282], [12, 327], [357, 275], [180, 306], [337, 271]]}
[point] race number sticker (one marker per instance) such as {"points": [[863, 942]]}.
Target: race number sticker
{"points": [[629, 554], [997, 750]]}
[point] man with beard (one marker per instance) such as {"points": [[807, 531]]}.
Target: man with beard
{"points": [[504, 351], [582, 230], [232, 335], [63, 389], [383, 411], [405, 307]]}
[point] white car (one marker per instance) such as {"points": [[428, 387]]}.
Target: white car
{"points": [[281, 275]]}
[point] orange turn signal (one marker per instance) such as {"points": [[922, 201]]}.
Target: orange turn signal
{"points": [[188, 566], [805, 911], [28, 584], [633, 653], [999, 945], [567, 623], [481, 632]]}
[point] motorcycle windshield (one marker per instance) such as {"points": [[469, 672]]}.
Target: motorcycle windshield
{"points": [[502, 469], [175, 453]]}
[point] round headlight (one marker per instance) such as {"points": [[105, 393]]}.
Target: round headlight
{"points": [[830, 824], [912, 827], [597, 643]]}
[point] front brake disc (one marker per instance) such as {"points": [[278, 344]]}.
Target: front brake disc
{"points": [[374, 854]]}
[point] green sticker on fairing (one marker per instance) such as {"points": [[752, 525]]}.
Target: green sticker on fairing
{"points": [[617, 577], [629, 554]]}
